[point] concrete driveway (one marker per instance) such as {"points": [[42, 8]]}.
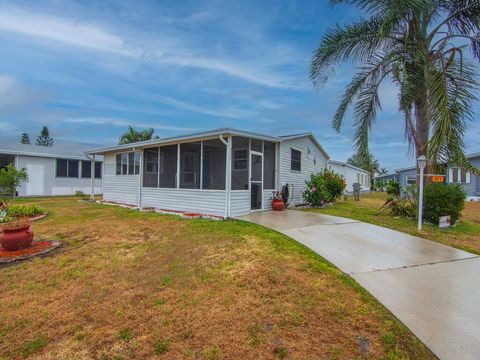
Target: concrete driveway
{"points": [[432, 288]]}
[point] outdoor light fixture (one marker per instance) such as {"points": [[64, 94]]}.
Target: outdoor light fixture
{"points": [[422, 163]]}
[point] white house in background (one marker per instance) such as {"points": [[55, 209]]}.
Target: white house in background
{"points": [[352, 174], [61, 169], [223, 172]]}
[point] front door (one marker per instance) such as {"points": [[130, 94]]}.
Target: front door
{"points": [[256, 181], [36, 179]]}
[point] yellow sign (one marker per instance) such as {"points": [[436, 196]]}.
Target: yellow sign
{"points": [[438, 178]]}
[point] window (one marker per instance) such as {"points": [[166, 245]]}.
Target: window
{"points": [[214, 163], [240, 159], [240, 146], [128, 163], [98, 169], [190, 165], [67, 168], [296, 160], [168, 166], [459, 176], [269, 165], [87, 169], [411, 179], [6, 160]]}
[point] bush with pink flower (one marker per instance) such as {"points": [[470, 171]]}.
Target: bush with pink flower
{"points": [[324, 187]]}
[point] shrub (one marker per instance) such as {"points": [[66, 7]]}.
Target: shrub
{"points": [[10, 179], [442, 200], [405, 207], [393, 188], [326, 186], [80, 194], [18, 211]]}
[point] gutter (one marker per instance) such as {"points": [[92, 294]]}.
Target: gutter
{"points": [[228, 179]]}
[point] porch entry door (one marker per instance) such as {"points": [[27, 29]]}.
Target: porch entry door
{"points": [[36, 180], [256, 180]]}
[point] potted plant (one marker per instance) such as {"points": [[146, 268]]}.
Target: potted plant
{"points": [[16, 234], [277, 201]]}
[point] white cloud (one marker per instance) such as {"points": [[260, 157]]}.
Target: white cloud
{"points": [[234, 113], [94, 37], [7, 128], [16, 98], [124, 123]]}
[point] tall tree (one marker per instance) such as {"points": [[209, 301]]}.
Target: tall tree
{"points": [[25, 139], [422, 46], [44, 138], [133, 135]]}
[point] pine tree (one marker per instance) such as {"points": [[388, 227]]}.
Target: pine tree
{"points": [[44, 138], [25, 139]]}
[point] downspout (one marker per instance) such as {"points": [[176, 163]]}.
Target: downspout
{"points": [[140, 177], [92, 177], [228, 185]]}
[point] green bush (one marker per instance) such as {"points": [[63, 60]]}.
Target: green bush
{"points": [[393, 188], [324, 187], [18, 211], [442, 200]]}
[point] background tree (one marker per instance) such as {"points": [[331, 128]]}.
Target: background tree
{"points": [[10, 179], [367, 163], [422, 46], [382, 171], [44, 138], [25, 139], [133, 135]]}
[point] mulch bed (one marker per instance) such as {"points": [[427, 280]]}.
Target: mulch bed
{"points": [[38, 248]]}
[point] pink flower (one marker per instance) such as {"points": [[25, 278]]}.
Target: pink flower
{"points": [[314, 189]]}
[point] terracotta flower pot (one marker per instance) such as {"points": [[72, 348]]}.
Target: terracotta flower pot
{"points": [[13, 239], [278, 205]]}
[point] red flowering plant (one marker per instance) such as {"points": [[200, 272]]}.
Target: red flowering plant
{"points": [[324, 187]]}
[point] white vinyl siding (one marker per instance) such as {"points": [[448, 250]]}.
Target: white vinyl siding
{"points": [[313, 161], [122, 189], [209, 202], [240, 202], [351, 175]]}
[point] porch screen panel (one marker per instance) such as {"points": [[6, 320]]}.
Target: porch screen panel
{"points": [[168, 166], [214, 162], [269, 165], [240, 163], [256, 145], [150, 168], [190, 165]]}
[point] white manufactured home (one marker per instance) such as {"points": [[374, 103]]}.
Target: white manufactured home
{"points": [[351, 174], [223, 172], [61, 169]]}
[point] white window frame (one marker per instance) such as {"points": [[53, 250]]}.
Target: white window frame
{"points": [[301, 156]]}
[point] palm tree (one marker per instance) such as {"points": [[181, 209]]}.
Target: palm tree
{"points": [[422, 46], [382, 171], [134, 135]]}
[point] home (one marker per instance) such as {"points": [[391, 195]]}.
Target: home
{"points": [[454, 175], [61, 169], [223, 172], [351, 174]]}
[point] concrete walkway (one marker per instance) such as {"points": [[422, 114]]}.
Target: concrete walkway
{"points": [[432, 288]]}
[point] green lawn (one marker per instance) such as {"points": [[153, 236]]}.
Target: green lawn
{"points": [[130, 285], [465, 235]]}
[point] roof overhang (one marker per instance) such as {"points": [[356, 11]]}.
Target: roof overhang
{"points": [[347, 165], [311, 136], [44, 155], [185, 138]]}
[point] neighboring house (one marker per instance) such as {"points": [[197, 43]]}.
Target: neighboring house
{"points": [[470, 182], [61, 169], [454, 175], [351, 174], [223, 172]]}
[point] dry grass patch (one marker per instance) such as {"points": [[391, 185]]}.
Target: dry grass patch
{"points": [[132, 285]]}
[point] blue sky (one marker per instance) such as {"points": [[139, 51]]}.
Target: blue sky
{"points": [[87, 69]]}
